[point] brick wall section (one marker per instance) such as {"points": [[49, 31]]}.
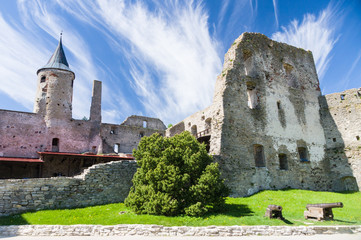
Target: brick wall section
{"points": [[100, 184]]}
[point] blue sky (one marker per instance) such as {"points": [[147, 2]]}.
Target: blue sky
{"points": [[160, 58]]}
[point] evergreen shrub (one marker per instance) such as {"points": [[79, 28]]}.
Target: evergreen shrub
{"points": [[175, 176]]}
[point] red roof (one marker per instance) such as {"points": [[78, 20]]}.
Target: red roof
{"points": [[15, 159], [130, 157]]}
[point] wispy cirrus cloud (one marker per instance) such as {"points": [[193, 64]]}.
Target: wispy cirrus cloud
{"points": [[315, 33], [275, 11], [173, 58], [19, 59]]}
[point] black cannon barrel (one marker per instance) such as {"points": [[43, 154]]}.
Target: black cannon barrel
{"points": [[326, 205], [274, 207]]}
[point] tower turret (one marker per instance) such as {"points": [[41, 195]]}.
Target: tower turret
{"points": [[55, 87]]}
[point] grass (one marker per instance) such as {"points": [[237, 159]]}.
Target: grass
{"points": [[238, 211]]}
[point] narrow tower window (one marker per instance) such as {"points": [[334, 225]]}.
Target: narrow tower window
{"points": [[55, 145], [145, 124], [279, 104], [259, 156], [141, 134], [43, 78]]}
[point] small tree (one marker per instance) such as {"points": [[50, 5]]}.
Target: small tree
{"points": [[175, 176]]}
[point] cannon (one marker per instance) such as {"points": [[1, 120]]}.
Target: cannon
{"points": [[321, 211], [274, 211]]}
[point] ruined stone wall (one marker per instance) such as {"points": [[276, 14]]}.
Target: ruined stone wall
{"points": [[270, 101], [77, 136], [99, 184], [341, 117], [129, 133], [21, 134], [25, 134], [202, 123]]}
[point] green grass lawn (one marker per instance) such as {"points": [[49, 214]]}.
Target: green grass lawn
{"points": [[238, 211]]}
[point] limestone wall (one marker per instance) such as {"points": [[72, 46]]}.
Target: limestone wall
{"points": [[99, 184], [128, 134], [341, 117], [269, 94], [179, 231]]}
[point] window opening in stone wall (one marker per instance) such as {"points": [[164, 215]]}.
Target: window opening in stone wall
{"points": [[283, 161], [302, 152], [145, 124], [278, 104], [208, 123], [116, 147], [55, 145], [194, 130], [334, 139], [357, 138], [342, 96], [94, 149], [43, 78], [252, 95], [141, 134], [259, 156], [112, 130]]}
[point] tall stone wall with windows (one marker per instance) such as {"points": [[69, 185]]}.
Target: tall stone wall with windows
{"points": [[100, 184], [267, 126]]}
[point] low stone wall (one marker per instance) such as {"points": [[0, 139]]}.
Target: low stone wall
{"points": [[100, 184], [157, 230]]}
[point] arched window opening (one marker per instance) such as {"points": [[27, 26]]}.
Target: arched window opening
{"points": [[42, 79], [278, 105], [55, 145], [145, 124], [141, 134]]}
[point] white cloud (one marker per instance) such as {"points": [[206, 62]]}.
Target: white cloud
{"points": [[275, 11], [174, 60], [317, 34], [20, 58]]}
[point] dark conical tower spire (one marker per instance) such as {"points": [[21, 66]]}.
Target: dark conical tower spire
{"points": [[58, 59]]}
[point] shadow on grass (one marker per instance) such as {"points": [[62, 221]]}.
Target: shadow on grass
{"points": [[343, 221], [13, 220], [233, 210], [287, 221]]}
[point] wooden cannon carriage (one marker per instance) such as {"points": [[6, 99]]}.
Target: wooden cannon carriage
{"points": [[322, 211]]}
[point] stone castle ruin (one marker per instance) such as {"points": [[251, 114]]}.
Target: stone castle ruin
{"points": [[268, 127]]}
